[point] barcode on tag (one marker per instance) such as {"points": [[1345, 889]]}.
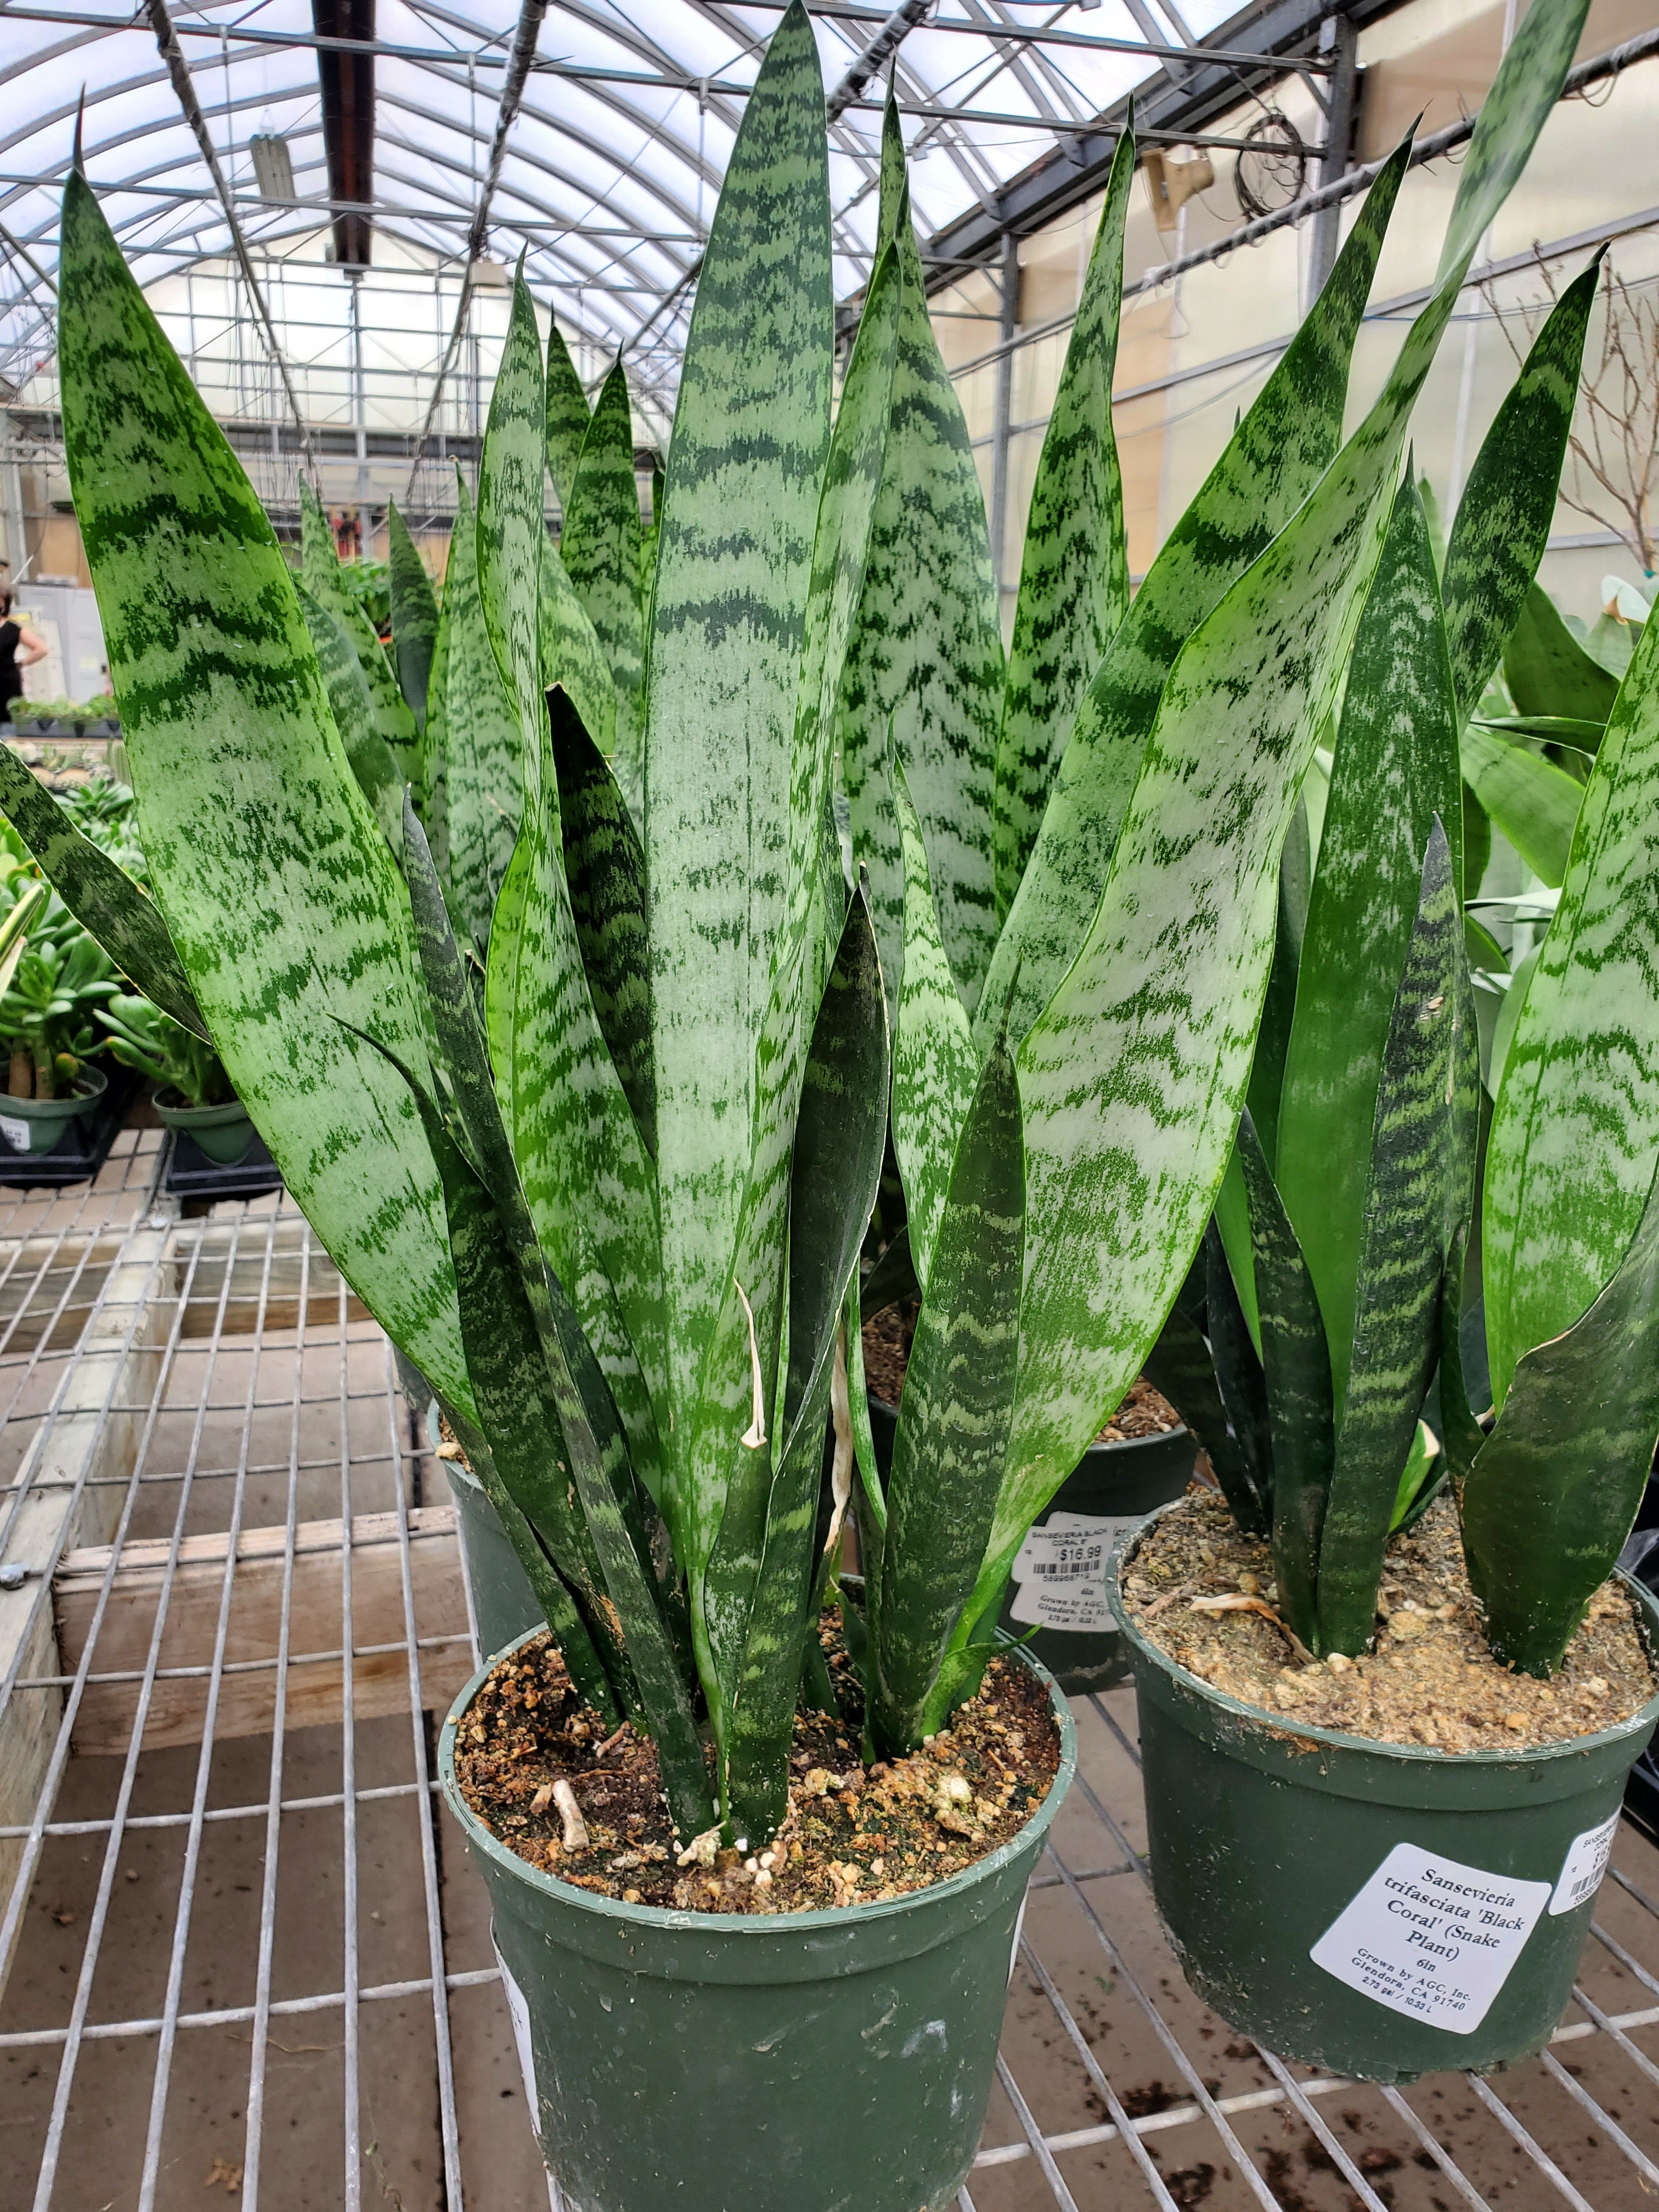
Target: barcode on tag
{"points": [[1583, 1866], [1059, 1576]]}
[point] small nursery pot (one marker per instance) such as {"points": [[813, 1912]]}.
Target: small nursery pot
{"points": [[1059, 1579], [832, 2062], [35, 1125], [224, 1133], [503, 1604], [1383, 1910]]}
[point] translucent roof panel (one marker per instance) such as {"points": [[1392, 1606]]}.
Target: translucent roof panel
{"points": [[611, 168]]}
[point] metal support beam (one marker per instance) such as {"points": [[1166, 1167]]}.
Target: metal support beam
{"points": [[345, 72], [524, 51], [167, 40], [1008, 324], [1339, 42]]}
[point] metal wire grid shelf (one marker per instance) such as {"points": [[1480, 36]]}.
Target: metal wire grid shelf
{"points": [[247, 1959]]}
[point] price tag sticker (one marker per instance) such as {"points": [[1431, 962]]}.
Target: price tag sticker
{"points": [[1059, 1576], [1585, 1864], [15, 1131], [1431, 1938]]}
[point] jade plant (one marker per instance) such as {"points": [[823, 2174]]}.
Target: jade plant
{"points": [[603, 1167], [142, 1036], [59, 979]]}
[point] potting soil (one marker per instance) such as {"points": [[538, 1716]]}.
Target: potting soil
{"points": [[852, 1836], [1430, 1678]]}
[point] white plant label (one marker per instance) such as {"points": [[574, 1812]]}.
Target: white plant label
{"points": [[15, 1131], [1432, 1938], [1058, 1573], [1585, 1864], [520, 2012]]}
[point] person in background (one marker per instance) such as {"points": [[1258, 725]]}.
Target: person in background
{"points": [[20, 649]]}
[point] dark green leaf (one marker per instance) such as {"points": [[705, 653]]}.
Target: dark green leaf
{"points": [[414, 617], [952, 1437], [320, 572], [1278, 452], [604, 869], [1551, 1495], [566, 415], [1548, 671], [100, 895], [354, 717], [1074, 574], [1395, 770], [1503, 518], [278, 892], [1533, 802], [599, 547], [1418, 1183]]}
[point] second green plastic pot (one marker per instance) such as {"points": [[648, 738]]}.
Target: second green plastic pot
{"points": [[828, 2062], [223, 1132], [1058, 1584], [503, 1604], [1383, 1910], [35, 1125]]}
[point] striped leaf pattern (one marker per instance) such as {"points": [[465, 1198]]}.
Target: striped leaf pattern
{"points": [[1132, 1080], [434, 783], [1555, 1490], [839, 1138], [1074, 576], [354, 717], [414, 617], [927, 665], [599, 547], [935, 1060], [1575, 1132], [568, 416], [511, 529], [729, 1479], [276, 888], [482, 765], [1503, 520], [1278, 452], [953, 1425], [1395, 770], [571, 657], [1297, 1364], [100, 895], [751, 435], [604, 870], [320, 572], [585, 1174], [1429, 1058]]}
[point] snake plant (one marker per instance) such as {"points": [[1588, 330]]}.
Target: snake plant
{"points": [[1327, 1356], [598, 1142]]}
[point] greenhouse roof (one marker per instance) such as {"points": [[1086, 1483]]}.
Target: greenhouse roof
{"points": [[590, 135]]}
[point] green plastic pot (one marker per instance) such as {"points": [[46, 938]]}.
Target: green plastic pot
{"points": [[1382, 1910], [223, 1132], [503, 1604], [831, 2062], [35, 1125], [1059, 1581]]}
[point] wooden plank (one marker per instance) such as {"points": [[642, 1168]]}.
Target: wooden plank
{"points": [[93, 1429], [247, 1701]]}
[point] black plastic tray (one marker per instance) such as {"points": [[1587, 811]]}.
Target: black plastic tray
{"points": [[82, 1148], [191, 1174]]}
